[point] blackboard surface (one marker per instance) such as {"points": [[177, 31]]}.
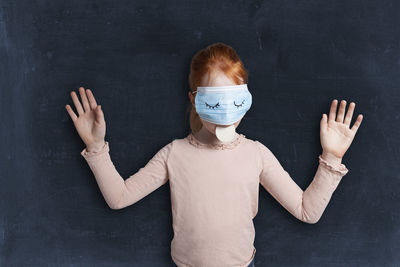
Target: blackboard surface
{"points": [[135, 56]]}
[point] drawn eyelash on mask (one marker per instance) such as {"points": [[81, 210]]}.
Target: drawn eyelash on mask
{"points": [[239, 104], [212, 107]]}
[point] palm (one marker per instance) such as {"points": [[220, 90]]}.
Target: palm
{"points": [[90, 123], [336, 135], [87, 127]]}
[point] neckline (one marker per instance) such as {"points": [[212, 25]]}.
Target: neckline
{"points": [[230, 145]]}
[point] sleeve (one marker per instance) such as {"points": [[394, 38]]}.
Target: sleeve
{"points": [[307, 205], [120, 193]]}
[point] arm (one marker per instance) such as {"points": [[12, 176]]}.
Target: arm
{"points": [[336, 137], [120, 193], [307, 205]]}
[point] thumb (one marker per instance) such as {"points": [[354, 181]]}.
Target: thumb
{"points": [[323, 123], [99, 114]]}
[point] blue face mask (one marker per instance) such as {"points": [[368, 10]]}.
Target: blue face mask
{"points": [[223, 105]]}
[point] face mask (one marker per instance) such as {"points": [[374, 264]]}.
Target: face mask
{"points": [[222, 105]]}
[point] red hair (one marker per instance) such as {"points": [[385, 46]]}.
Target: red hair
{"points": [[217, 57]]}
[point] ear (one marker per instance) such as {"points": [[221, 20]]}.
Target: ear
{"points": [[191, 97]]}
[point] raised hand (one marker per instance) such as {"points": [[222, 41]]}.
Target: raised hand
{"points": [[90, 124], [336, 134]]}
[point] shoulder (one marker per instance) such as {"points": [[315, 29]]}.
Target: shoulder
{"points": [[165, 150], [176, 144], [262, 149], [264, 156], [258, 145]]}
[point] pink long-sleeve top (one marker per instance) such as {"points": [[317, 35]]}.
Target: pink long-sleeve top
{"points": [[214, 194]]}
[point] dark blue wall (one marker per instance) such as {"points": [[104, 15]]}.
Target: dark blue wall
{"points": [[135, 56]]}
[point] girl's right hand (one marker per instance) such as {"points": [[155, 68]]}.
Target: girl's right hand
{"points": [[90, 124]]}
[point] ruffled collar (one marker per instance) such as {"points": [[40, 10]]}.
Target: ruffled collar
{"points": [[232, 144]]}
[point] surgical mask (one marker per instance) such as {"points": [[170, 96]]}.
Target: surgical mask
{"points": [[222, 105]]}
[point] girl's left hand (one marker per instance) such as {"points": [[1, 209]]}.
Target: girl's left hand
{"points": [[335, 134]]}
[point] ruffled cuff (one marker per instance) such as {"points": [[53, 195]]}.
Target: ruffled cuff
{"points": [[339, 169], [92, 155]]}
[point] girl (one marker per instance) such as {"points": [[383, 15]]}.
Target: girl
{"points": [[214, 173]]}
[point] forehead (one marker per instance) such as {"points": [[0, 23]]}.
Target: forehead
{"points": [[216, 78]]}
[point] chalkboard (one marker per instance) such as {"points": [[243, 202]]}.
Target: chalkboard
{"points": [[135, 56]]}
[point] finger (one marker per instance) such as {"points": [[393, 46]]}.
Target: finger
{"points": [[324, 122], [77, 103], [332, 111], [92, 100], [84, 99], [71, 113], [357, 123], [99, 114], [342, 109], [349, 114]]}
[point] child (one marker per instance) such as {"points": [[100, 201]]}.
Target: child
{"points": [[214, 172]]}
